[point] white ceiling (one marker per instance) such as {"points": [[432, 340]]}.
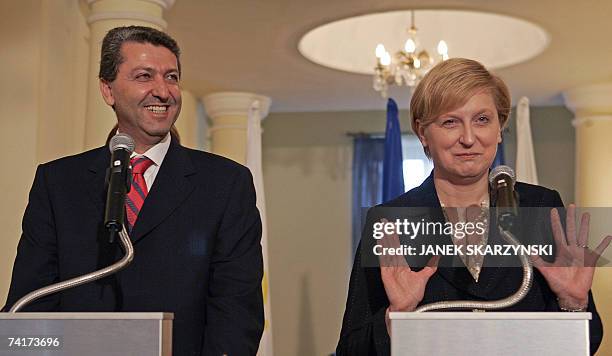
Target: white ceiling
{"points": [[252, 45], [349, 44]]}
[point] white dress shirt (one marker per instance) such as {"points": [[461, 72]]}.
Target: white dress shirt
{"points": [[156, 154]]}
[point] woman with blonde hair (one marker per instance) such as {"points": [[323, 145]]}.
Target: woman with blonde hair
{"points": [[458, 112]]}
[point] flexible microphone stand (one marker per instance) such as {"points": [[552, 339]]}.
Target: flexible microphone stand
{"points": [[494, 304], [76, 281]]}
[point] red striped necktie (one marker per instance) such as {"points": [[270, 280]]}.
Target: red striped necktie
{"points": [[137, 194]]}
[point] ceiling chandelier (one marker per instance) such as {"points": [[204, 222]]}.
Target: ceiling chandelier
{"points": [[408, 65]]}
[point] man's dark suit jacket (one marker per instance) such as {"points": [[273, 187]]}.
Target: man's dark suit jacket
{"points": [[363, 328], [197, 248]]}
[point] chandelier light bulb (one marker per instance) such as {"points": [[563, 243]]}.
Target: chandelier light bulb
{"points": [[408, 65], [380, 51], [442, 48], [410, 46], [385, 59]]}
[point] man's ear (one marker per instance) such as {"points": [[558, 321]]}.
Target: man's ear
{"points": [[107, 93]]}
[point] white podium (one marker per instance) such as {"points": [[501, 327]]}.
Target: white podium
{"points": [[86, 334], [489, 333]]}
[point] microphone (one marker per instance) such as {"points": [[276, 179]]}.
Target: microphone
{"points": [[119, 179], [502, 179]]}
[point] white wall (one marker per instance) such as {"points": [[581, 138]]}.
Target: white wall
{"points": [[307, 176], [42, 103], [19, 69]]}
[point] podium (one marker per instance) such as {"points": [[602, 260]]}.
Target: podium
{"points": [[489, 333], [86, 334]]}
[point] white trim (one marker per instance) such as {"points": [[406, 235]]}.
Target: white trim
{"points": [[165, 4], [590, 98], [491, 316], [160, 339], [88, 316], [126, 15], [234, 104], [228, 126], [578, 121]]}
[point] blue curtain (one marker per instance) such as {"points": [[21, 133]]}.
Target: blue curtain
{"points": [[500, 158], [368, 155], [393, 171]]}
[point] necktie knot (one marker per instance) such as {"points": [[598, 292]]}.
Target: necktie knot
{"points": [[140, 164]]}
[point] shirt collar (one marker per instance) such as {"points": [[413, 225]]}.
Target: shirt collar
{"points": [[158, 152]]}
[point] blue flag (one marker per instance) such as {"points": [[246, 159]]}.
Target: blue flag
{"points": [[393, 173], [500, 159]]}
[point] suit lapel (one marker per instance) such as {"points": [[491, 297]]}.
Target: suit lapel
{"points": [[458, 275], [170, 189], [453, 270], [97, 180]]}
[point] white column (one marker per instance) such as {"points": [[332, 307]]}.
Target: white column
{"points": [[187, 122], [105, 15], [229, 112], [592, 106]]}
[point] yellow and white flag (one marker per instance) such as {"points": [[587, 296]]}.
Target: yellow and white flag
{"points": [[525, 157], [254, 163]]}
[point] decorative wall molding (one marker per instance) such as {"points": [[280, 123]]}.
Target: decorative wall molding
{"points": [[227, 126], [594, 98], [579, 121], [165, 4], [234, 104], [127, 15]]}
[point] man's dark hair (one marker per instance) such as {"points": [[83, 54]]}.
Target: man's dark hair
{"points": [[111, 58]]}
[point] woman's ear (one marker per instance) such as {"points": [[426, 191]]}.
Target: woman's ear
{"points": [[500, 133], [420, 132]]}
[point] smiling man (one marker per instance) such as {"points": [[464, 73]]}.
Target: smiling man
{"points": [[193, 222], [141, 83]]}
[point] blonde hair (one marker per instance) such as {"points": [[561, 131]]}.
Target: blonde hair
{"points": [[449, 85]]}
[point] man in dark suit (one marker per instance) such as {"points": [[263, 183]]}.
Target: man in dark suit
{"points": [[196, 232]]}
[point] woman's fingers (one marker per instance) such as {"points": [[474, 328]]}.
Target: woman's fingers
{"points": [[538, 262], [583, 234], [570, 223], [557, 230], [432, 267], [599, 250], [383, 259], [433, 261], [390, 244]]}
